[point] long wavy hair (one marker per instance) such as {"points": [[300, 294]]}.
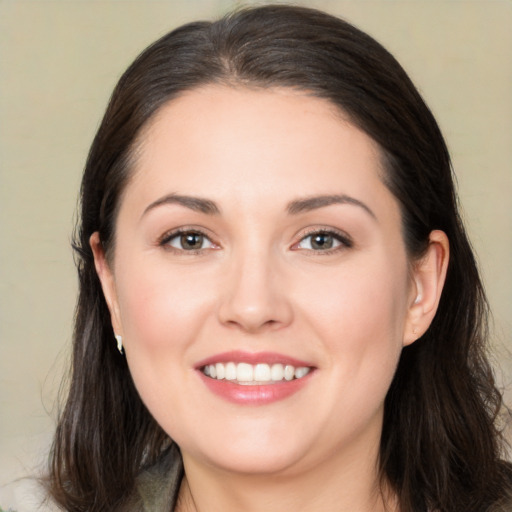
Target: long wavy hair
{"points": [[440, 448]]}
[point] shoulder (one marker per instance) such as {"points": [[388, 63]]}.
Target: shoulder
{"points": [[156, 487]]}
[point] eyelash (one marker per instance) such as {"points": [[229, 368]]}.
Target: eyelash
{"points": [[345, 242], [165, 240]]}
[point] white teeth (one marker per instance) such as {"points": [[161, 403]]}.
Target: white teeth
{"points": [[299, 372], [289, 372], [230, 371], [255, 374], [221, 371], [262, 372], [244, 372], [277, 372]]}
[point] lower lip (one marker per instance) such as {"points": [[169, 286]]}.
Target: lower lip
{"points": [[254, 395]]}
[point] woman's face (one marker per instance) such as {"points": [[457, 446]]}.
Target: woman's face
{"points": [[257, 242]]}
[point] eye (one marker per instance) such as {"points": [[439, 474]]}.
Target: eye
{"points": [[187, 241], [323, 241]]}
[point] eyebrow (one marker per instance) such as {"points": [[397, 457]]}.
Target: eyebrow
{"points": [[295, 207], [197, 204], [312, 203]]}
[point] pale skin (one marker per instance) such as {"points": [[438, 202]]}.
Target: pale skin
{"points": [[259, 280]]}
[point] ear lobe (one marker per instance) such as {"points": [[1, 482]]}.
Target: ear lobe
{"points": [[106, 278], [429, 275]]}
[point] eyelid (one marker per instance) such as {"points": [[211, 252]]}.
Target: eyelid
{"points": [[164, 239], [344, 239]]}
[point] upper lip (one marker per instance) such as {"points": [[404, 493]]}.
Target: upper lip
{"points": [[237, 356]]}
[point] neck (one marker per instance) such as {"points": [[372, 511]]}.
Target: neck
{"points": [[351, 484]]}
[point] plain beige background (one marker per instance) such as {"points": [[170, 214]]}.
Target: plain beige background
{"points": [[59, 61]]}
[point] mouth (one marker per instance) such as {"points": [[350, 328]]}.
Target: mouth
{"points": [[259, 374], [254, 379]]}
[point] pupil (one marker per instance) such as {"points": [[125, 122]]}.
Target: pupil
{"points": [[322, 241], [191, 241]]}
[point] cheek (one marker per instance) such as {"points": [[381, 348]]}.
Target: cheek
{"points": [[370, 294], [361, 324], [360, 317], [160, 310], [162, 314]]}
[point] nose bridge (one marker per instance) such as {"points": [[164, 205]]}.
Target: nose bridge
{"points": [[255, 298]]}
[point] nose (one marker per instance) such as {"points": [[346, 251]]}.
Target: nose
{"points": [[255, 298]]}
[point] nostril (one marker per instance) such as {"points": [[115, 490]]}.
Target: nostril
{"points": [[252, 325]]}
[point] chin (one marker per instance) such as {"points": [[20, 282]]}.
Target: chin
{"points": [[264, 453], [255, 462]]}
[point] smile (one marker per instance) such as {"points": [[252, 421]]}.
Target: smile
{"points": [[254, 374], [254, 379]]}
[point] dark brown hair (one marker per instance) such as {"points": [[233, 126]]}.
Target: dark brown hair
{"points": [[440, 448]]}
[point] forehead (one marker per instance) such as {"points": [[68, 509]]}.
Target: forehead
{"points": [[240, 144]]}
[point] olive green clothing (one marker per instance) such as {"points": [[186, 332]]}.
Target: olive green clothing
{"points": [[157, 487]]}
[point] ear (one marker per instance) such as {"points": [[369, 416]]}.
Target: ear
{"points": [[106, 277], [428, 277]]}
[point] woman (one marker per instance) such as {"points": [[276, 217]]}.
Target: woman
{"points": [[279, 307]]}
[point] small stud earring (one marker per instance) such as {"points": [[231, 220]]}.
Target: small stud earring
{"points": [[418, 299], [119, 340]]}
